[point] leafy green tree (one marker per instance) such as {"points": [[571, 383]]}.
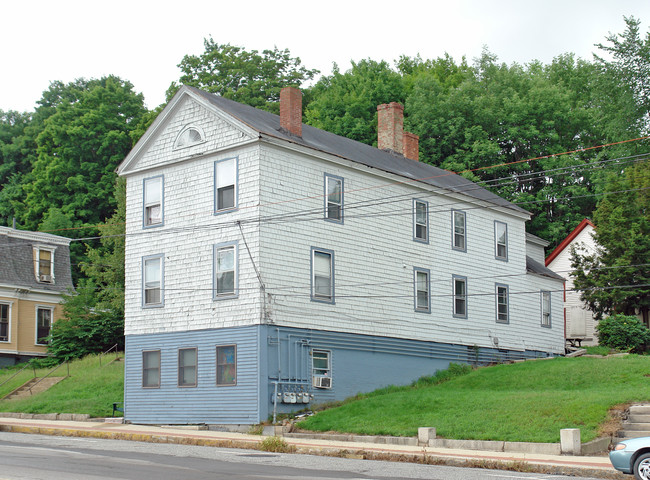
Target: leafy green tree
{"points": [[17, 148], [346, 103], [104, 263], [248, 77], [84, 328], [85, 132], [500, 126], [93, 318], [629, 67], [615, 278]]}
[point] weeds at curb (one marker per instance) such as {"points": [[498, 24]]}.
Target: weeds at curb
{"points": [[276, 444]]}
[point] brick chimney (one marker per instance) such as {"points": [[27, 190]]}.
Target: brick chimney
{"points": [[412, 146], [291, 110], [390, 127]]}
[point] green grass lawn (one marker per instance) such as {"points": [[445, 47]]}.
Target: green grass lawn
{"points": [[523, 402], [90, 389]]}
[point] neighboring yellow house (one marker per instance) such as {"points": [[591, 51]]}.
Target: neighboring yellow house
{"points": [[34, 273]]}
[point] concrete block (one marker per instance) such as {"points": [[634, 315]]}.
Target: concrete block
{"points": [[80, 417], [570, 441], [425, 434], [46, 416], [65, 416]]}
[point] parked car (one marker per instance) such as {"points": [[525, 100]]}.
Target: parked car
{"points": [[632, 457]]}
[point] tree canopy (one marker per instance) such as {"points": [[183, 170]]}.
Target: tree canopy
{"points": [[615, 278], [248, 77]]}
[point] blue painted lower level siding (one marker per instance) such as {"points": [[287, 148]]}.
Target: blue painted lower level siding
{"points": [[272, 361], [206, 402], [359, 363]]}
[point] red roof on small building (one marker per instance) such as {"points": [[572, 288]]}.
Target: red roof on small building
{"points": [[565, 243]]}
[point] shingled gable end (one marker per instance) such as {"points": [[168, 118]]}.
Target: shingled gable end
{"points": [[271, 265]]}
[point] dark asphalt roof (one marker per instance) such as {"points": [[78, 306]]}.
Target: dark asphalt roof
{"points": [[269, 124], [533, 266], [17, 264]]}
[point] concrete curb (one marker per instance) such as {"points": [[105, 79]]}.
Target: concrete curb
{"points": [[597, 467], [590, 448]]}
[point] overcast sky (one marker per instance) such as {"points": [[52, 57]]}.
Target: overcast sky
{"points": [[143, 41]]}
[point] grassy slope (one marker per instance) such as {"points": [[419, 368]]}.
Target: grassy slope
{"points": [[91, 389], [528, 402]]}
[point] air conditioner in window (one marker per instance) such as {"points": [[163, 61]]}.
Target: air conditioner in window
{"points": [[322, 382], [45, 278]]}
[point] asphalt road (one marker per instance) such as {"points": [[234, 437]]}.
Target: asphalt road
{"points": [[37, 457]]}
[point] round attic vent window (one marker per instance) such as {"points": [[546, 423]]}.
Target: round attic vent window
{"points": [[189, 136]]}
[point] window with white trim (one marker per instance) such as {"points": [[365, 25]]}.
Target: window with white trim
{"points": [[458, 227], [225, 270], [502, 307], [322, 275], [152, 280], [4, 322], [44, 264], [187, 363], [546, 308], [189, 136], [333, 198], [422, 290], [420, 220], [151, 369], [153, 201], [321, 369], [225, 185], [227, 365], [43, 324], [501, 240], [460, 296]]}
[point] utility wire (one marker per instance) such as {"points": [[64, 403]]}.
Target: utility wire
{"points": [[428, 178]]}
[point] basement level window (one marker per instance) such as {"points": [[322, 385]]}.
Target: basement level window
{"points": [[151, 369], [321, 369]]}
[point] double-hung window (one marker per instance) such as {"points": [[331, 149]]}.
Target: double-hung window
{"points": [[322, 275], [4, 322], [43, 324], [153, 201], [321, 369], [187, 363], [225, 185], [44, 264], [546, 308], [422, 290], [333, 198], [502, 307], [151, 369], [152, 281], [460, 296], [501, 240], [420, 221], [458, 230], [227, 365], [225, 270]]}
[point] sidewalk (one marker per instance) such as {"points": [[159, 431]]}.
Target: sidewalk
{"points": [[596, 466]]}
